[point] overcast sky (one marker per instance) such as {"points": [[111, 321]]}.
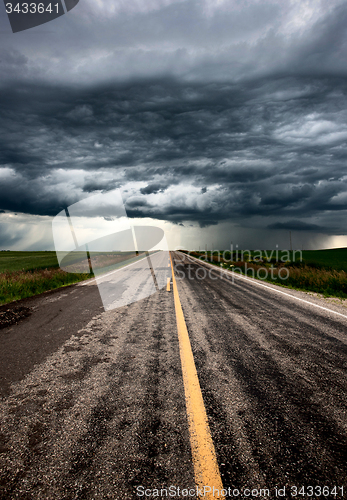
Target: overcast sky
{"points": [[219, 119]]}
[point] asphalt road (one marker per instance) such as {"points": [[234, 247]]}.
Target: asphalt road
{"points": [[93, 402]]}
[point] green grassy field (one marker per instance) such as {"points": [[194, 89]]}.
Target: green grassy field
{"points": [[16, 285], [320, 271], [24, 274], [335, 258], [27, 261], [33, 261]]}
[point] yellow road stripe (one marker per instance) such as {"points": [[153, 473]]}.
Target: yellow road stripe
{"points": [[206, 469], [168, 285]]}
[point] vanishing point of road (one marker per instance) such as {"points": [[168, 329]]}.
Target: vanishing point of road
{"points": [[222, 381]]}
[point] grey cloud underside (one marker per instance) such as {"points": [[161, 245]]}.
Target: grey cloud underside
{"points": [[190, 39], [200, 111], [274, 147], [297, 225]]}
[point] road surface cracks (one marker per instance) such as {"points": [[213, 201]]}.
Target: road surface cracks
{"points": [[103, 414]]}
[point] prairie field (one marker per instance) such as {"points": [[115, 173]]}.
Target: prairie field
{"points": [[24, 274], [27, 261], [320, 271]]}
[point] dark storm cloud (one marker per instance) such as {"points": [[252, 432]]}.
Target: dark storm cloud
{"points": [[210, 112], [112, 40], [95, 184], [297, 225], [151, 188], [275, 148]]}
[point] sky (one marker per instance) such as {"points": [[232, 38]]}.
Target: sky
{"points": [[219, 120]]}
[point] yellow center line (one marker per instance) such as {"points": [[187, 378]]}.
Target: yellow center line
{"points": [[206, 471]]}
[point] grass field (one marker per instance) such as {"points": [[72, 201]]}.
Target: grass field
{"points": [[24, 274], [15, 285], [320, 271], [27, 261], [335, 258]]}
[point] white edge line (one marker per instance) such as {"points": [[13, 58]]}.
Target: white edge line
{"points": [[240, 276]]}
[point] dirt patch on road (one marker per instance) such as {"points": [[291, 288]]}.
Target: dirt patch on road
{"points": [[13, 316]]}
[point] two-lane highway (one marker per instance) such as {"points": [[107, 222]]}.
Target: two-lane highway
{"points": [[103, 410]]}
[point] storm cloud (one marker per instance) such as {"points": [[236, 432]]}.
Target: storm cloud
{"points": [[199, 111]]}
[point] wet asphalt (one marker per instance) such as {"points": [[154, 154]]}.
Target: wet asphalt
{"points": [[93, 402]]}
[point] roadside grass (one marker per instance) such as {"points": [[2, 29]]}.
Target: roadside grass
{"points": [[24, 274], [330, 283], [319, 271], [15, 285]]}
